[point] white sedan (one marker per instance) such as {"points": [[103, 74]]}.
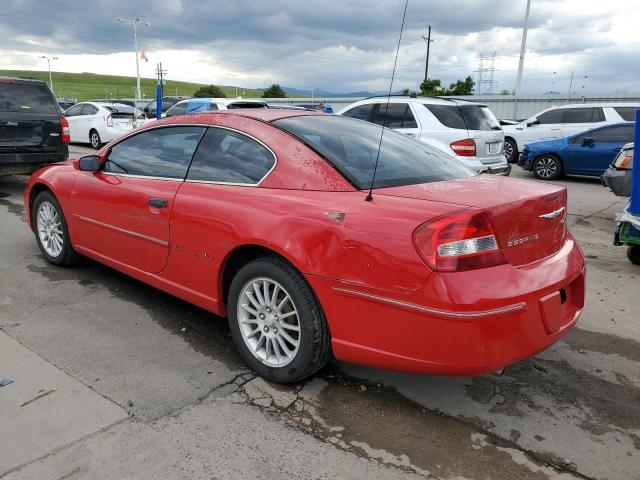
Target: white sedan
{"points": [[97, 123]]}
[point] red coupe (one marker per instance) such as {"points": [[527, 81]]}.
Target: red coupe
{"points": [[263, 216]]}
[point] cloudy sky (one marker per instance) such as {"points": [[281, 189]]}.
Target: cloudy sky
{"points": [[342, 46]]}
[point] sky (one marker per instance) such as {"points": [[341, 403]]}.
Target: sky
{"points": [[340, 46]]}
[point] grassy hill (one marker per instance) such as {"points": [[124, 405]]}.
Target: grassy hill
{"points": [[85, 86]]}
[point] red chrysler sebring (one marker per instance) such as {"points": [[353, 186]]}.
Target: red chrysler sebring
{"points": [[263, 216]]}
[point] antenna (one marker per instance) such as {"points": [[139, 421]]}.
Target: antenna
{"points": [[369, 197]]}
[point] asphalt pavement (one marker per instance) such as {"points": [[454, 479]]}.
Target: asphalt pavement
{"points": [[143, 385]]}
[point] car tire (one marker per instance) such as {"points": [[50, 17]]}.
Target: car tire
{"points": [[51, 231], [281, 349], [94, 139], [633, 254], [510, 150], [547, 167]]}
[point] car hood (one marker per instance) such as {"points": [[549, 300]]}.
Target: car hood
{"points": [[548, 145]]}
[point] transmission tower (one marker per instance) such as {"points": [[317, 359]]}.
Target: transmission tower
{"points": [[486, 71]]}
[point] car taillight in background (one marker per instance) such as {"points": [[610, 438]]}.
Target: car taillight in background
{"points": [[461, 241], [64, 125], [464, 148], [109, 120], [624, 161]]}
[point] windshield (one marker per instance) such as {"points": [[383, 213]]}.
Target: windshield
{"points": [[351, 146], [16, 97]]}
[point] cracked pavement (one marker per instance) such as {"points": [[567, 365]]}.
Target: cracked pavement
{"points": [[165, 395]]}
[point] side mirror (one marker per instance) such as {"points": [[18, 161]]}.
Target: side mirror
{"points": [[90, 163], [587, 142], [533, 122]]}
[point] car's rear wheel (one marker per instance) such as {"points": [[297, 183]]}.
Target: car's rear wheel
{"points": [[276, 321], [51, 230], [547, 167], [510, 150], [633, 254], [94, 139]]}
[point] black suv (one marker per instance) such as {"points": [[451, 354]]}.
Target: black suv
{"points": [[33, 131]]}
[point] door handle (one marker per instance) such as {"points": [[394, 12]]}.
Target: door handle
{"points": [[158, 202]]}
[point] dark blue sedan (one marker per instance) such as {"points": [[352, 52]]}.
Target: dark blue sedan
{"points": [[587, 153]]}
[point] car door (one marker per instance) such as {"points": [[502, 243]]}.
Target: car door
{"points": [[546, 125], [220, 184], [581, 119], [398, 116], [86, 121], [121, 213], [73, 116], [593, 151]]}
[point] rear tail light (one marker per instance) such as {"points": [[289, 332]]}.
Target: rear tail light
{"points": [[64, 125], [109, 121], [462, 241], [464, 148], [624, 160]]}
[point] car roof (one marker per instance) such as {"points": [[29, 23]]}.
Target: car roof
{"points": [[602, 104], [21, 81], [438, 100]]}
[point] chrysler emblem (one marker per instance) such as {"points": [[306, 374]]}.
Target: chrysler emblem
{"points": [[554, 214]]}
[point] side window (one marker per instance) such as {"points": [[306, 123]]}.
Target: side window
{"points": [[88, 109], [230, 157], [398, 115], [613, 135], [162, 152], [361, 112], [177, 109], [552, 116], [449, 116], [74, 111], [213, 106], [583, 115], [627, 113]]}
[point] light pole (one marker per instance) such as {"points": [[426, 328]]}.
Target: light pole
{"points": [[521, 62], [133, 23], [48, 59]]}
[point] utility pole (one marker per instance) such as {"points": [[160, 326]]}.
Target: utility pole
{"points": [[160, 73], [48, 59], [570, 87], [426, 65], [133, 23], [521, 63]]}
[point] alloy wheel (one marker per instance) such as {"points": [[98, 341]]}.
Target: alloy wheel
{"points": [[95, 139], [546, 167], [268, 322], [49, 228], [508, 150]]}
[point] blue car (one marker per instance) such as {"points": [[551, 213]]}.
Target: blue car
{"points": [[587, 153]]}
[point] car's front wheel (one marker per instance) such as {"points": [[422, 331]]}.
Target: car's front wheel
{"points": [[510, 150], [51, 230], [94, 139], [276, 321], [547, 167]]}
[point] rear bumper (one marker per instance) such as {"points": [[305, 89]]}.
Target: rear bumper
{"points": [[619, 181], [29, 162], [491, 318], [499, 167]]}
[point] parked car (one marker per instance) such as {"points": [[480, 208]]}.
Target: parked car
{"points": [[564, 121], [33, 131], [64, 104], [149, 109], [97, 123], [464, 130], [588, 153], [198, 105], [618, 176], [261, 215]]}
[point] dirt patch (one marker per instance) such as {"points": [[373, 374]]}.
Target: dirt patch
{"points": [[579, 339]]}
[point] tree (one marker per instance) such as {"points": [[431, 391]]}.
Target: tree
{"points": [[429, 88], [462, 87], [209, 91], [506, 91], [274, 91]]}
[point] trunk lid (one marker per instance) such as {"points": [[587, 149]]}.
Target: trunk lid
{"points": [[485, 129], [528, 217]]}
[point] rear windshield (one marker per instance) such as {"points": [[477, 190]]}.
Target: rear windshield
{"points": [[465, 117], [351, 146], [627, 113], [235, 105], [15, 97]]}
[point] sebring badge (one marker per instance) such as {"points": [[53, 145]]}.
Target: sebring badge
{"points": [[514, 242]]}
